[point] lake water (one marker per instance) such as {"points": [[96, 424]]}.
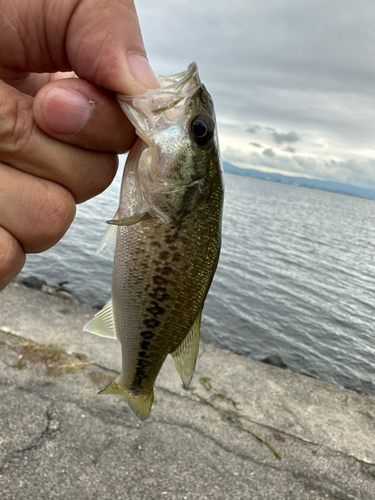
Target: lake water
{"points": [[296, 276]]}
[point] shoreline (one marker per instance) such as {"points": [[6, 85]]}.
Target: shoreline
{"points": [[272, 359], [59, 290], [243, 429]]}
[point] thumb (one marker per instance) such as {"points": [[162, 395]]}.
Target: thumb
{"points": [[104, 45]]}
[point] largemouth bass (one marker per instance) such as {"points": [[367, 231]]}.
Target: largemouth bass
{"points": [[168, 235]]}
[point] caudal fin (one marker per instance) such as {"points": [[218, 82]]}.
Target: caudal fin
{"points": [[140, 405]]}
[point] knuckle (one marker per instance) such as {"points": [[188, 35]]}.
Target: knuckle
{"points": [[12, 257], [16, 125], [99, 175], [54, 216]]}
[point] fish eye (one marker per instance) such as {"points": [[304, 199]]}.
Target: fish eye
{"points": [[202, 129]]}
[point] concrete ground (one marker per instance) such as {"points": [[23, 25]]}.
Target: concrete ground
{"points": [[243, 430]]}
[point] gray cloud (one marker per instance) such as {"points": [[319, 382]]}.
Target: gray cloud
{"points": [[289, 149], [268, 152], [285, 65], [253, 129], [255, 144], [280, 138]]}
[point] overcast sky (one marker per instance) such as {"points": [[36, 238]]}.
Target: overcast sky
{"points": [[293, 81]]}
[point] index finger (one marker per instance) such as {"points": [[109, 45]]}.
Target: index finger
{"points": [[111, 51], [99, 40]]}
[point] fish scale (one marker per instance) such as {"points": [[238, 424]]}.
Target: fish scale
{"points": [[183, 302], [168, 236]]}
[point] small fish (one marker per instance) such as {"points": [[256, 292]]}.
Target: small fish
{"points": [[167, 233]]}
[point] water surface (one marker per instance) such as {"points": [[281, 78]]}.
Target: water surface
{"points": [[296, 276]]}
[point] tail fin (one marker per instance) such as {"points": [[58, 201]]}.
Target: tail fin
{"points": [[140, 405]]}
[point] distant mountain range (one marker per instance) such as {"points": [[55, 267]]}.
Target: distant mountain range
{"points": [[337, 187]]}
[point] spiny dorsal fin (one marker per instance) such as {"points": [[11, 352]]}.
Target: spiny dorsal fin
{"points": [[140, 405], [102, 323], [185, 356]]}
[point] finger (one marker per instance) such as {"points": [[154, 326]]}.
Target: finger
{"points": [[101, 41], [12, 258], [23, 145], [34, 211], [112, 54], [31, 83], [77, 112]]}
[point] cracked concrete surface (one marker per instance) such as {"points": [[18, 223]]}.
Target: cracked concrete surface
{"points": [[61, 440]]}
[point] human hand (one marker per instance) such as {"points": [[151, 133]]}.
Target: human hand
{"points": [[59, 134]]}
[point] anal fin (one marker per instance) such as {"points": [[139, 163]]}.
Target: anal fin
{"points": [[140, 405], [185, 356]]}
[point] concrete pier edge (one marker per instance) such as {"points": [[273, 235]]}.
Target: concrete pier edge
{"points": [[244, 429]]}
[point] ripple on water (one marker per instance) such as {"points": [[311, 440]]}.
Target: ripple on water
{"points": [[296, 276]]}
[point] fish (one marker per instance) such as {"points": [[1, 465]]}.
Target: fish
{"points": [[166, 234]]}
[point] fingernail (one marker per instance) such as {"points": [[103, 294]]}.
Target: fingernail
{"points": [[67, 111], [142, 71]]}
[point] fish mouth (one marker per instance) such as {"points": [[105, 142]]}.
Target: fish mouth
{"points": [[175, 82], [173, 89]]}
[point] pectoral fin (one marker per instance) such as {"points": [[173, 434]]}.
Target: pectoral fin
{"points": [[140, 405], [185, 356], [128, 221], [102, 323], [108, 240]]}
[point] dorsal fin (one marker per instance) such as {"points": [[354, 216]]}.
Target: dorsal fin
{"points": [[185, 356], [102, 323]]}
